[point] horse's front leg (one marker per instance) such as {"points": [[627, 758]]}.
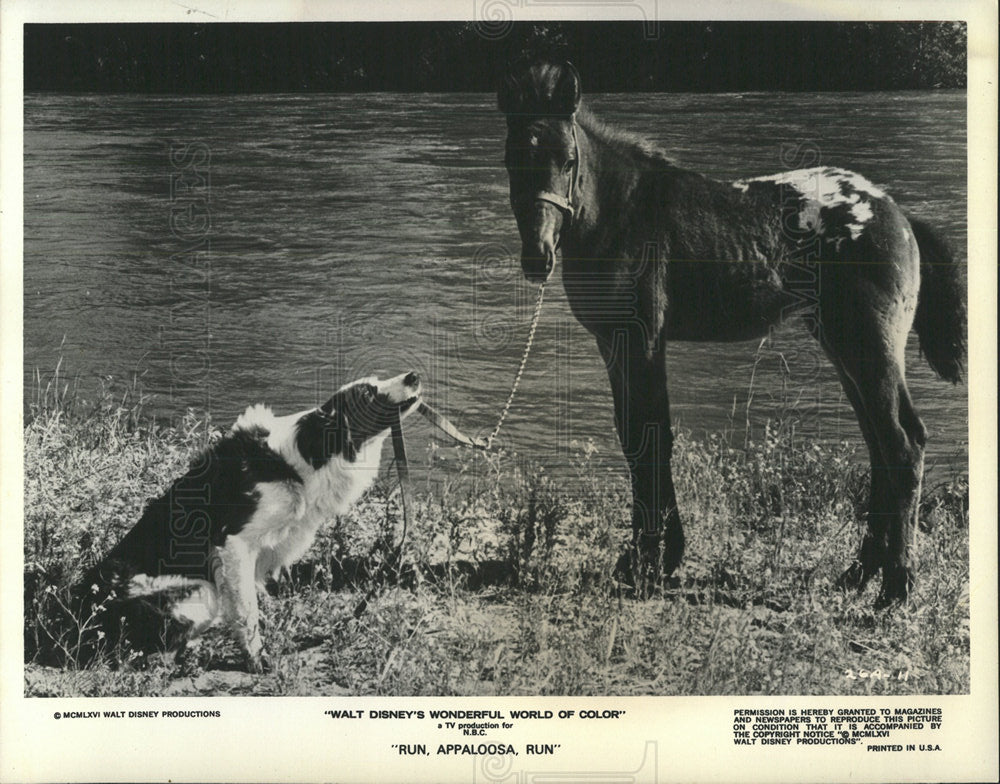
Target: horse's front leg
{"points": [[642, 416]]}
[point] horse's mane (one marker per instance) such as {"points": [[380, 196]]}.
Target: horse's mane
{"points": [[630, 144], [541, 88]]}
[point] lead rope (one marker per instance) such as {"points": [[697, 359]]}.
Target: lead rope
{"points": [[524, 357], [567, 207], [402, 466], [399, 445], [393, 559]]}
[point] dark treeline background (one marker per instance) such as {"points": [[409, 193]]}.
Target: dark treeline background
{"points": [[469, 57]]}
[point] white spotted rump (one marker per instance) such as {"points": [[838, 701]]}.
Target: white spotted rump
{"points": [[824, 188]]}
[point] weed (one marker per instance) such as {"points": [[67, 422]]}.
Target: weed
{"points": [[504, 585]]}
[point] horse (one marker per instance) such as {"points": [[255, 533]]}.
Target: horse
{"points": [[651, 252]]}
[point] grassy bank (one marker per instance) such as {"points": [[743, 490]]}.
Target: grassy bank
{"points": [[505, 586]]}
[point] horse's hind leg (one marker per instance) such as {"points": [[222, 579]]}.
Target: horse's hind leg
{"points": [[874, 546], [897, 575], [642, 418], [871, 369]]}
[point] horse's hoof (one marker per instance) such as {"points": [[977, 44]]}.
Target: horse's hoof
{"points": [[635, 575], [642, 570], [623, 573], [673, 550], [259, 664], [897, 584], [649, 577], [856, 577]]}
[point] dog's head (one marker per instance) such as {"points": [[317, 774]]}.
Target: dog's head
{"points": [[359, 412]]}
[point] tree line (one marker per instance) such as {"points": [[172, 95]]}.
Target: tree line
{"points": [[470, 56]]}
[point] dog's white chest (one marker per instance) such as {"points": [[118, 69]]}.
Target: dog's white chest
{"points": [[287, 517]]}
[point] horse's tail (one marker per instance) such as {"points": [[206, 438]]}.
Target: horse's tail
{"points": [[940, 320]]}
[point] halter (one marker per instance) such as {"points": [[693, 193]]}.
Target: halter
{"points": [[565, 203]]}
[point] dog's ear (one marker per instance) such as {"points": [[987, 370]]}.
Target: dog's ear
{"points": [[323, 434], [338, 427], [339, 436]]}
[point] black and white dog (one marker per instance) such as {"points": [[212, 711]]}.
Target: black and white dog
{"points": [[247, 507]]}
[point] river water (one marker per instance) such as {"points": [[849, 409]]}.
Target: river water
{"points": [[233, 249]]}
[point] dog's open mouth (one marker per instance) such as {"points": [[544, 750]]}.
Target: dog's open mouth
{"points": [[409, 402]]}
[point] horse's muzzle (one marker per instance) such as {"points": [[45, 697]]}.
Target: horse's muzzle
{"points": [[541, 232], [537, 262]]}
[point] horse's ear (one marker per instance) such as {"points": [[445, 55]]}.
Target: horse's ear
{"points": [[509, 96], [567, 93], [539, 88]]}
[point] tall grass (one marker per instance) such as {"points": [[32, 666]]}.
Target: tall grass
{"points": [[504, 584], [90, 464]]}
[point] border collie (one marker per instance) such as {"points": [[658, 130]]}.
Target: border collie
{"points": [[248, 506]]}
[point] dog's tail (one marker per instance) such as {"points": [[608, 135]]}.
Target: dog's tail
{"points": [[940, 321]]}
